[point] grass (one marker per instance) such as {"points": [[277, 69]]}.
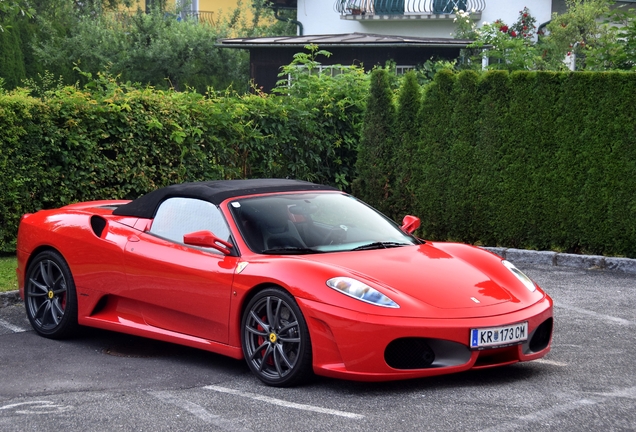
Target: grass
{"points": [[8, 279]]}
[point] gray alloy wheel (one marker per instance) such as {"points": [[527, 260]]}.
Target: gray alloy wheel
{"points": [[275, 339], [49, 296]]}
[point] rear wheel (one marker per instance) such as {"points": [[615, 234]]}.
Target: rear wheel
{"points": [[275, 339], [49, 296]]}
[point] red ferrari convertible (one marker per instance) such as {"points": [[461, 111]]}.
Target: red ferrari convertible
{"points": [[294, 277]]}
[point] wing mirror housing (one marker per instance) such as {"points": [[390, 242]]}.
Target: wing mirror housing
{"points": [[410, 224], [208, 240]]}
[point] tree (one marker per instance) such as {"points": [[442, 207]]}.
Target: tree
{"points": [[11, 59], [576, 30], [11, 8], [407, 145], [14, 35], [615, 49], [151, 49], [159, 48], [375, 171]]}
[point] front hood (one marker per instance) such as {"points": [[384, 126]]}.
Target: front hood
{"points": [[445, 276]]}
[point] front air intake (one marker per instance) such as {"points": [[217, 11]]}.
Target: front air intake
{"points": [[409, 353], [541, 337]]}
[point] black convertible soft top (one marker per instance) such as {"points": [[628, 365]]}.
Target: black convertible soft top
{"points": [[213, 191]]}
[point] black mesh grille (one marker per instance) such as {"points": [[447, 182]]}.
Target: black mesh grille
{"points": [[409, 353], [541, 337]]}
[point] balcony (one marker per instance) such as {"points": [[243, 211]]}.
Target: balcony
{"points": [[406, 9], [202, 17]]}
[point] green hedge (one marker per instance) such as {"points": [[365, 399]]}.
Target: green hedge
{"points": [[113, 141], [528, 159], [531, 160]]}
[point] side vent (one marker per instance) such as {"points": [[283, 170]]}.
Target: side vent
{"points": [[98, 224], [100, 306]]}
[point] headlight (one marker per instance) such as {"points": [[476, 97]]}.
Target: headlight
{"points": [[520, 275], [358, 290]]}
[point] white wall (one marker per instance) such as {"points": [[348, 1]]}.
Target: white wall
{"points": [[319, 17], [508, 10]]}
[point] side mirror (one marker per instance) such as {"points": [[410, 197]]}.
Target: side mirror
{"points": [[209, 240], [410, 224]]}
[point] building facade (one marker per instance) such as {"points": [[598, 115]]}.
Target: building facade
{"points": [[208, 11], [421, 18]]}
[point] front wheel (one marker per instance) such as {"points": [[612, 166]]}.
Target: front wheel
{"points": [[275, 339], [49, 296]]}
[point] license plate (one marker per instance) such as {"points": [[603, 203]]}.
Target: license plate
{"points": [[498, 336]]}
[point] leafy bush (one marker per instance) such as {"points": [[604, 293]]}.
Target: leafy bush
{"points": [[541, 160], [152, 49], [162, 48], [111, 140]]}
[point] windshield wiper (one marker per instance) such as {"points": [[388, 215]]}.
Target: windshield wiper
{"points": [[291, 250], [380, 245]]}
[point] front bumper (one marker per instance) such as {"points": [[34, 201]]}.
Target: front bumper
{"points": [[352, 345]]}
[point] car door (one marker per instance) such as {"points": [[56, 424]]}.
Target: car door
{"points": [[182, 288]]}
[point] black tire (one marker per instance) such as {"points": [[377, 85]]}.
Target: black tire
{"points": [[275, 339], [49, 296]]}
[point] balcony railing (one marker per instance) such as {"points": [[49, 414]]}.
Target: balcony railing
{"points": [[368, 9], [200, 16]]}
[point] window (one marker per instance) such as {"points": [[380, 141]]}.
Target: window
{"points": [[331, 70], [311, 223], [179, 216], [402, 69]]}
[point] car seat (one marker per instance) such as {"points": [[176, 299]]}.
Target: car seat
{"points": [[278, 230]]}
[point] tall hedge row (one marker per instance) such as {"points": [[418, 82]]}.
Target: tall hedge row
{"points": [[112, 141], [529, 159]]}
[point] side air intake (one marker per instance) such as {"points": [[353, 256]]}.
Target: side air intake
{"points": [[98, 224]]}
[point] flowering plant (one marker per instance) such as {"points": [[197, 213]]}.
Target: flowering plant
{"points": [[466, 28], [525, 25], [509, 47]]}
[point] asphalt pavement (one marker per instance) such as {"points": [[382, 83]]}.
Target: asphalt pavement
{"points": [[103, 381]]}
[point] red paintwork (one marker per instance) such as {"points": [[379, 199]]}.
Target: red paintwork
{"points": [[130, 281], [410, 224]]}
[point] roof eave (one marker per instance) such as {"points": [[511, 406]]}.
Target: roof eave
{"points": [[345, 45]]}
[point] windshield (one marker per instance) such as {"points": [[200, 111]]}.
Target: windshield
{"points": [[314, 223]]}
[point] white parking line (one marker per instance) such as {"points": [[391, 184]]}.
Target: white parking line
{"points": [[550, 362], [37, 407], [284, 403], [11, 327], [596, 315], [198, 411], [539, 416], [629, 393]]}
